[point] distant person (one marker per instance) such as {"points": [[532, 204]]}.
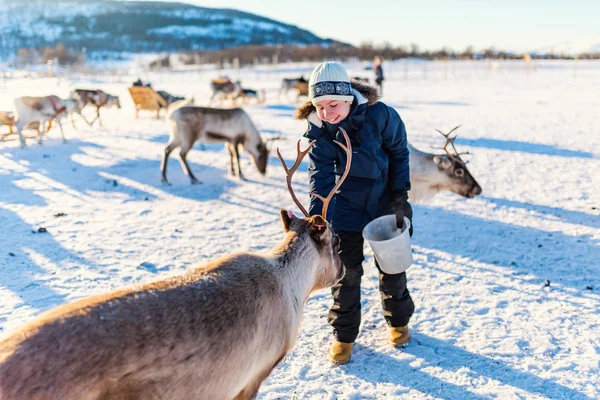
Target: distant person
{"points": [[378, 70], [376, 185], [140, 83]]}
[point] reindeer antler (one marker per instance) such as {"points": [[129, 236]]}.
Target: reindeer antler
{"points": [[348, 149], [450, 141], [290, 171]]}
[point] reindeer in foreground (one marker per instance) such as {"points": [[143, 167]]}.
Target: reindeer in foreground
{"points": [[43, 110], [96, 98], [214, 125], [215, 333], [432, 173]]}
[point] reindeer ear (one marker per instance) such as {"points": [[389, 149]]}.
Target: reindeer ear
{"points": [[442, 162], [318, 228], [286, 219]]}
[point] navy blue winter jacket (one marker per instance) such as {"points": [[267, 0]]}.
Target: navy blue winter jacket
{"points": [[379, 164]]}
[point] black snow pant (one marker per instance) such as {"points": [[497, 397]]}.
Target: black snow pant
{"points": [[345, 314]]}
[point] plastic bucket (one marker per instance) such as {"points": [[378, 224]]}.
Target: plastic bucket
{"points": [[390, 244]]}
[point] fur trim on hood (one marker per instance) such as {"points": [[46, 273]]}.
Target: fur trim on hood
{"points": [[369, 92]]}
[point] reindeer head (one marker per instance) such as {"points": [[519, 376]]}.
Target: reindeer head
{"points": [[261, 157], [460, 179], [330, 268], [113, 101], [260, 153]]}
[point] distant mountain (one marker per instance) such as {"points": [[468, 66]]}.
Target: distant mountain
{"points": [[137, 26], [570, 48]]}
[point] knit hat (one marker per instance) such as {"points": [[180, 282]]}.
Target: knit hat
{"points": [[329, 81]]}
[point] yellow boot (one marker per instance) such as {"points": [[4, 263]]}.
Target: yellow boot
{"points": [[339, 353], [399, 336]]}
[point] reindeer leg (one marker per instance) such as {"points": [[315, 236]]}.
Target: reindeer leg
{"points": [[163, 165], [42, 129], [185, 148], [85, 119], [62, 133], [20, 133], [231, 154], [98, 116], [237, 156]]}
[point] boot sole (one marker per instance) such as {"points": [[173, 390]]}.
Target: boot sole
{"points": [[337, 363], [400, 345]]}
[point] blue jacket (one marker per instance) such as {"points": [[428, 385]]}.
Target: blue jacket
{"points": [[379, 166]]}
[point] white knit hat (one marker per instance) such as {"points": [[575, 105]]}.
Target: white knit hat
{"points": [[329, 81]]}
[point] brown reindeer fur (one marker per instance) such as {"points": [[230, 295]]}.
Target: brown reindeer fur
{"points": [[213, 333], [369, 92], [34, 103]]}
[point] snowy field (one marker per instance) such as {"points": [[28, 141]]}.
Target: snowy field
{"points": [[506, 285]]}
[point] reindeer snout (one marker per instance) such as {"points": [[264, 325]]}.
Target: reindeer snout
{"points": [[475, 190]]}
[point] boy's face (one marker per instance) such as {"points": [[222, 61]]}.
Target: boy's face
{"points": [[333, 111]]}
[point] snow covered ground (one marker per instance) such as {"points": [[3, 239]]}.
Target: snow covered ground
{"points": [[506, 285]]}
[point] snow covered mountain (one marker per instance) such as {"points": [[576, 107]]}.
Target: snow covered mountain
{"points": [[590, 46], [137, 26]]}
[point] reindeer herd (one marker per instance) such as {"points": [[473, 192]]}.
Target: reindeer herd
{"points": [[217, 331], [43, 110]]}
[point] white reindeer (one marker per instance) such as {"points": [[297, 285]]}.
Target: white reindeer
{"points": [[43, 110]]}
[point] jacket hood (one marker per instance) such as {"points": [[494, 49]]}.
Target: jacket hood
{"points": [[363, 93]]}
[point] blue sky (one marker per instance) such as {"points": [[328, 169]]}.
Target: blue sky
{"points": [[432, 24]]}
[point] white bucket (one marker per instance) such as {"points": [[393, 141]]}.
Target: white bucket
{"points": [[390, 244]]}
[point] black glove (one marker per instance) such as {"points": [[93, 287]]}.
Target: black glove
{"points": [[402, 209]]}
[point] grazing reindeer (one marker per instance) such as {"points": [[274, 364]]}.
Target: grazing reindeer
{"points": [[432, 173], [43, 110], [215, 333], [214, 125], [96, 98], [223, 89], [287, 84], [247, 94], [295, 84]]}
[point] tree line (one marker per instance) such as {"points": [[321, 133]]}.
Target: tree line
{"points": [[269, 54], [263, 54]]}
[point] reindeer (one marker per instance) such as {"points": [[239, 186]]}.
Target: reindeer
{"points": [[214, 333], [223, 89], [432, 173], [96, 98], [247, 94], [43, 110], [214, 125], [288, 84]]}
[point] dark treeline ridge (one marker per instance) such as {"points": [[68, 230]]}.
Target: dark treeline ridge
{"points": [[267, 54]]}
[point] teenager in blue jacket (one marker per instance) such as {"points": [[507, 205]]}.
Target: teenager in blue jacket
{"points": [[376, 185]]}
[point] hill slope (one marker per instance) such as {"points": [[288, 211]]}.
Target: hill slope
{"points": [[138, 26]]}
